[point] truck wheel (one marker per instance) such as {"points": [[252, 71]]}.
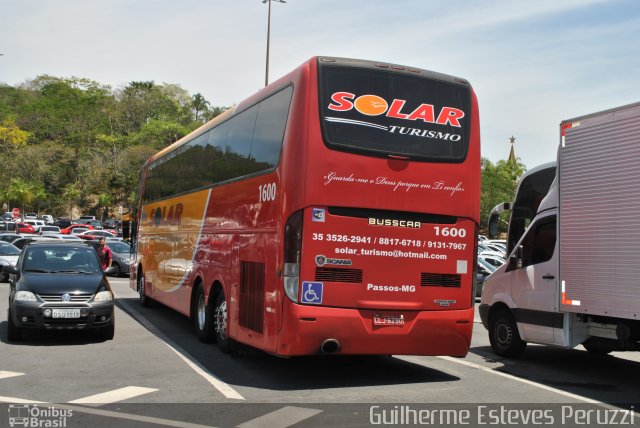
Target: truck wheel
{"points": [[221, 322], [596, 348], [503, 335], [14, 333], [205, 327]]}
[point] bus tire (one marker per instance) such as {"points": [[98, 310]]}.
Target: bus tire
{"points": [[144, 299], [205, 327], [503, 335], [221, 325]]}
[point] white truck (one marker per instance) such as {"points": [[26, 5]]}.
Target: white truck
{"points": [[572, 274]]}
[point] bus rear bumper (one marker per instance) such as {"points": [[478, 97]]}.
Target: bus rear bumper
{"points": [[306, 328]]}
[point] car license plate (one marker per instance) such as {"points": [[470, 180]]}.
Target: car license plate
{"points": [[379, 319], [65, 313]]}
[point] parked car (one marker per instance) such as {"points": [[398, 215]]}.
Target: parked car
{"points": [[87, 217], [109, 224], [494, 261], [37, 224], [70, 228], [8, 257], [25, 228], [48, 219], [10, 237], [121, 261], [63, 236], [8, 226], [30, 216], [24, 240], [47, 230], [95, 234], [59, 285], [483, 271], [62, 222]]}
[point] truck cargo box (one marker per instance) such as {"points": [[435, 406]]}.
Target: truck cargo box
{"points": [[599, 213]]}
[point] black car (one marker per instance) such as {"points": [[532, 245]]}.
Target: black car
{"points": [[59, 285]]}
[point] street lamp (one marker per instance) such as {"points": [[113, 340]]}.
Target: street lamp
{"points": [[266, 73]]}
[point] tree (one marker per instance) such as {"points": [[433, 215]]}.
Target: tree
{"points": [[498, 185], [199, 104], [21, 192], [11, 136]]}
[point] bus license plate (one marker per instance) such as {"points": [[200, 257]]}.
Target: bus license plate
{"points": [[65, 313], [379, 319]]}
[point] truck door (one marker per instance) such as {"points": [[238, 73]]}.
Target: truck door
{"points": [[534, 285]]}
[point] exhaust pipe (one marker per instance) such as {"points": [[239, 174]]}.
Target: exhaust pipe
{"points": [[330, 346]]}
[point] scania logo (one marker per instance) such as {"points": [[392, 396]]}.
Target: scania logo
{"points": [[374, 105], [323, 260], [66, 298]]}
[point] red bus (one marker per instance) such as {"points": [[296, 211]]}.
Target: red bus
{"points": [[334, 211]]}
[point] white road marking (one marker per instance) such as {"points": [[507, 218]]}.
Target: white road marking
{"points": [[6, 374], [521, 380], [218, 384], [114, 396], [14, 400], [281, 418]]}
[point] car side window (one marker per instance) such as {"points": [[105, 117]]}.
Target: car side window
{"points": [[539, 242]]}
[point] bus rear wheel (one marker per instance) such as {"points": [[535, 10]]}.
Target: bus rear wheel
{"points": [[503, 335], [144, 299], [221, 322], [205, 328]]}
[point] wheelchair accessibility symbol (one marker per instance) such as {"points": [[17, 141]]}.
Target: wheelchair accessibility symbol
{"points": [[312, 292]]}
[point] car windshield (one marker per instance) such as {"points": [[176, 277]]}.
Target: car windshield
{"points": [[9, 250], [61, 259]]}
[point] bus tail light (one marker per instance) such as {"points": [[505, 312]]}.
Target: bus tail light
{"points": [[292, 251]]}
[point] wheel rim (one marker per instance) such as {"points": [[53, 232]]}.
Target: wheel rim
{"points": [[116, 270], [221, 320], [504, 333], [202, 312]]}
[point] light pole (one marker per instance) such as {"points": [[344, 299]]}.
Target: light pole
{"points": [[266, 73]]}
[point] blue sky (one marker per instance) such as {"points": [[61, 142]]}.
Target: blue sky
{"points": [[532, 63]]}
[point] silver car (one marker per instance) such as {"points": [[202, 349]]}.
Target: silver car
{"points": [[9, 254]]}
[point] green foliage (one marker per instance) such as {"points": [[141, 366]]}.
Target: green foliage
{"points": [[498, 185], [73, 144]]}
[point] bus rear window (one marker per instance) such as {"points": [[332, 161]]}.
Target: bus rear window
{"points": [[384, 113]]}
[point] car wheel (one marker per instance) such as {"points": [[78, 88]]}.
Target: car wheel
{"points": [[14, 333], [503, 335], [221, 322], [203, 322], [117, 270], [106, 333], [144, 299]]}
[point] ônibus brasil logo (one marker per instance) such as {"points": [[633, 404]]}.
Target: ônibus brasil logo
{"points": [[374, 105]]}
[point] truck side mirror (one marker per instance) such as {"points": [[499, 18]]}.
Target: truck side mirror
{"points": [[494, 217], [515, 261], [519, 256]]}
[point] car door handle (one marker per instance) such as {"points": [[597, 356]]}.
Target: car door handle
{"points": [[547, 276]]}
